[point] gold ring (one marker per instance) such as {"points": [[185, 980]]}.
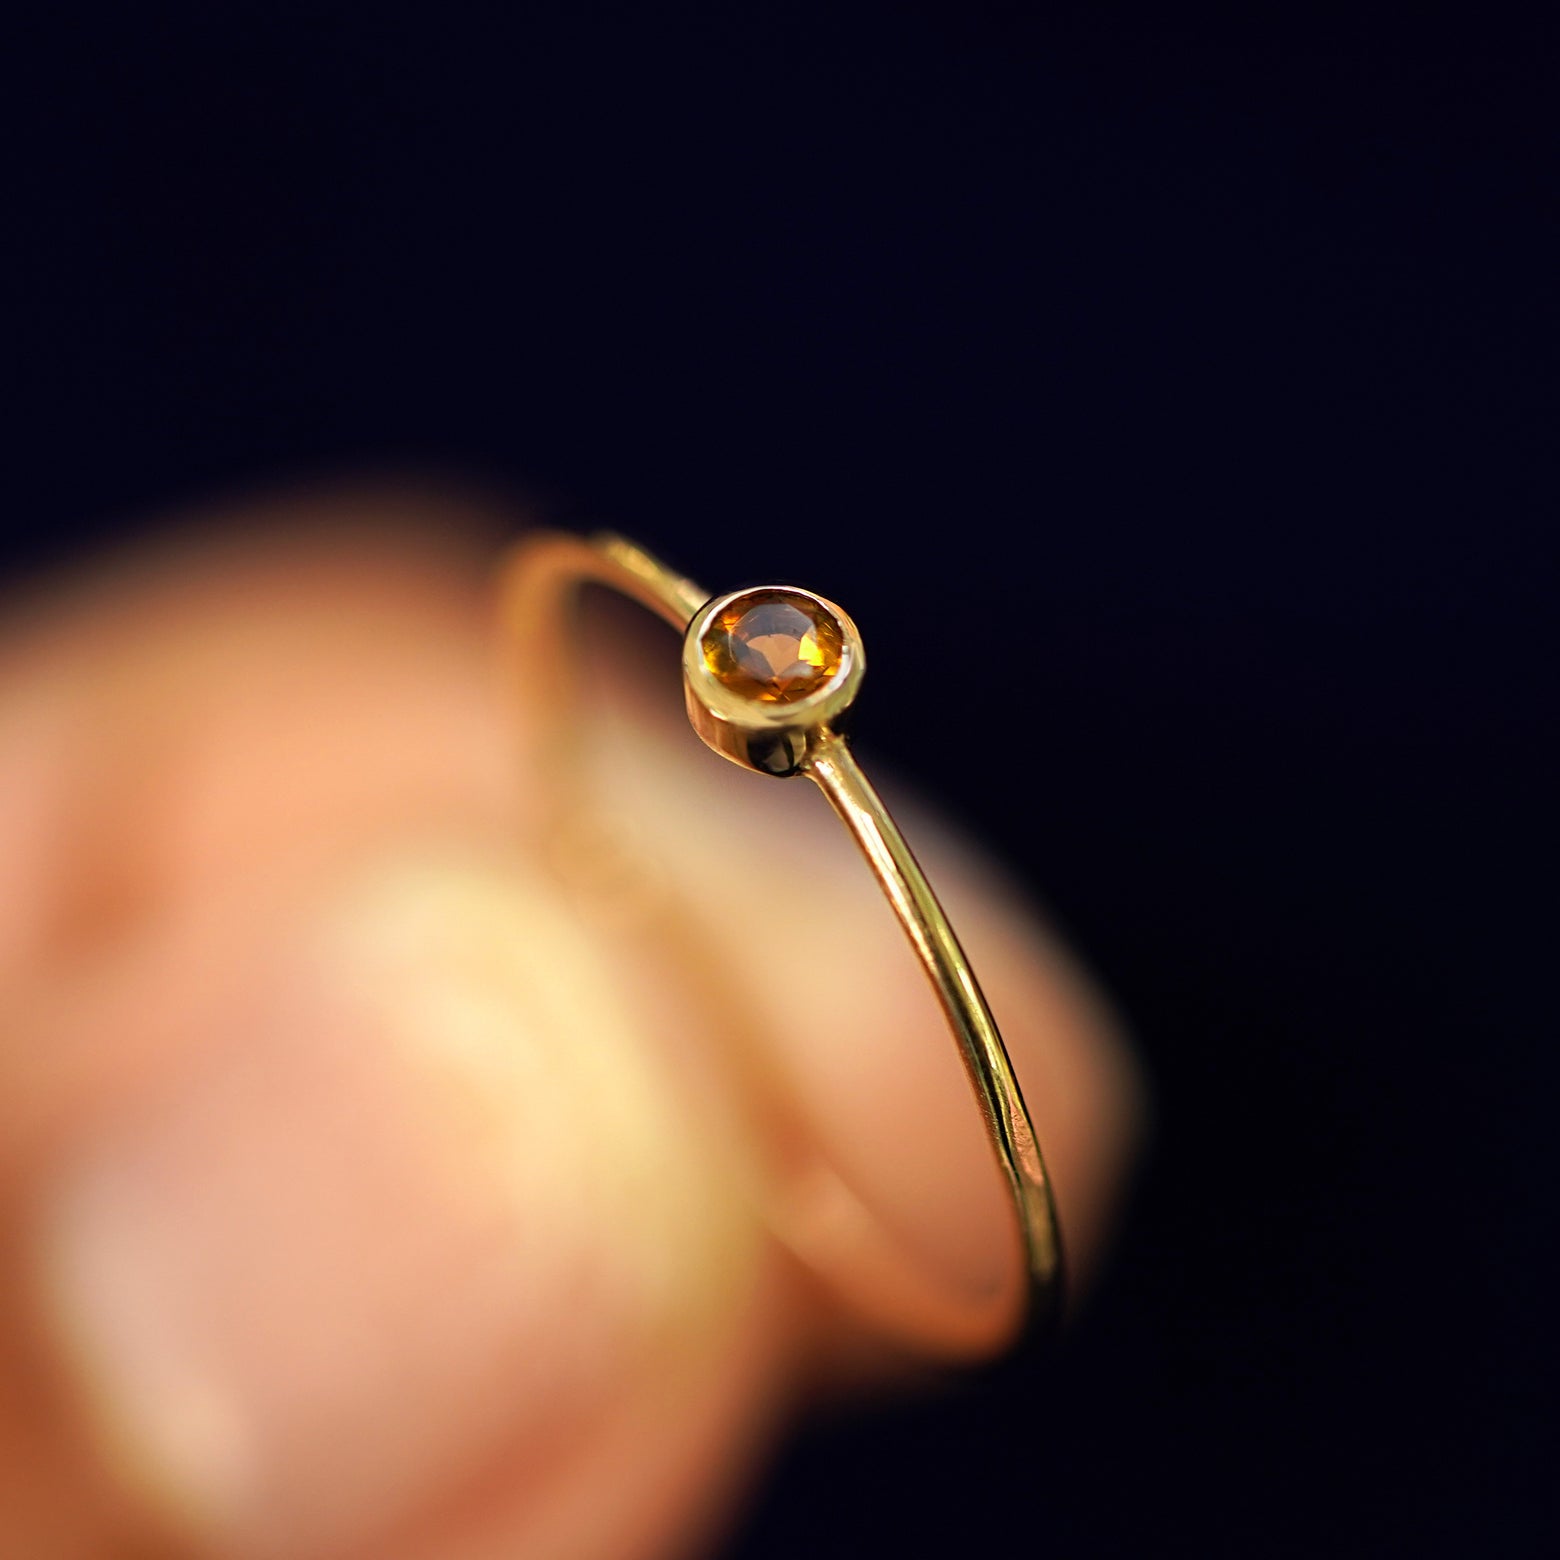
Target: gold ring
{"points": [[770, 675]]}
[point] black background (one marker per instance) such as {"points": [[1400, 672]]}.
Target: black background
{"points": [[1192, 373]]}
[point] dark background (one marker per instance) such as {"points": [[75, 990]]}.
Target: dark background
{"points": [[1191, 378]]}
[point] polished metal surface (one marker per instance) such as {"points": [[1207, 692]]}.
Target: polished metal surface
{"points": [[818, 1215]]}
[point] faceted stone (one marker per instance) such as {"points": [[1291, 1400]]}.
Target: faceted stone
{"points": [[773, 646]]}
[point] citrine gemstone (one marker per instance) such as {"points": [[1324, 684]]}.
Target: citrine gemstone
{"points": [[774, 646]]}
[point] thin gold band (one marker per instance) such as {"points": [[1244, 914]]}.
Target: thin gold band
{"points": [[546, 571]]}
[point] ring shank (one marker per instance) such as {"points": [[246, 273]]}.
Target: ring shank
{"points": [[834, 769], [820, 1218]]}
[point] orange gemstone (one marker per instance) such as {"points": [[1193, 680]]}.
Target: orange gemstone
{"points": [[774, 646]]}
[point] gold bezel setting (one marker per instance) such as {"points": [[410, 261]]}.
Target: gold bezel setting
{"points": [[773, 738]]}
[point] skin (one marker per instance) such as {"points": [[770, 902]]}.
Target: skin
{"points": [[365, 1190]]}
